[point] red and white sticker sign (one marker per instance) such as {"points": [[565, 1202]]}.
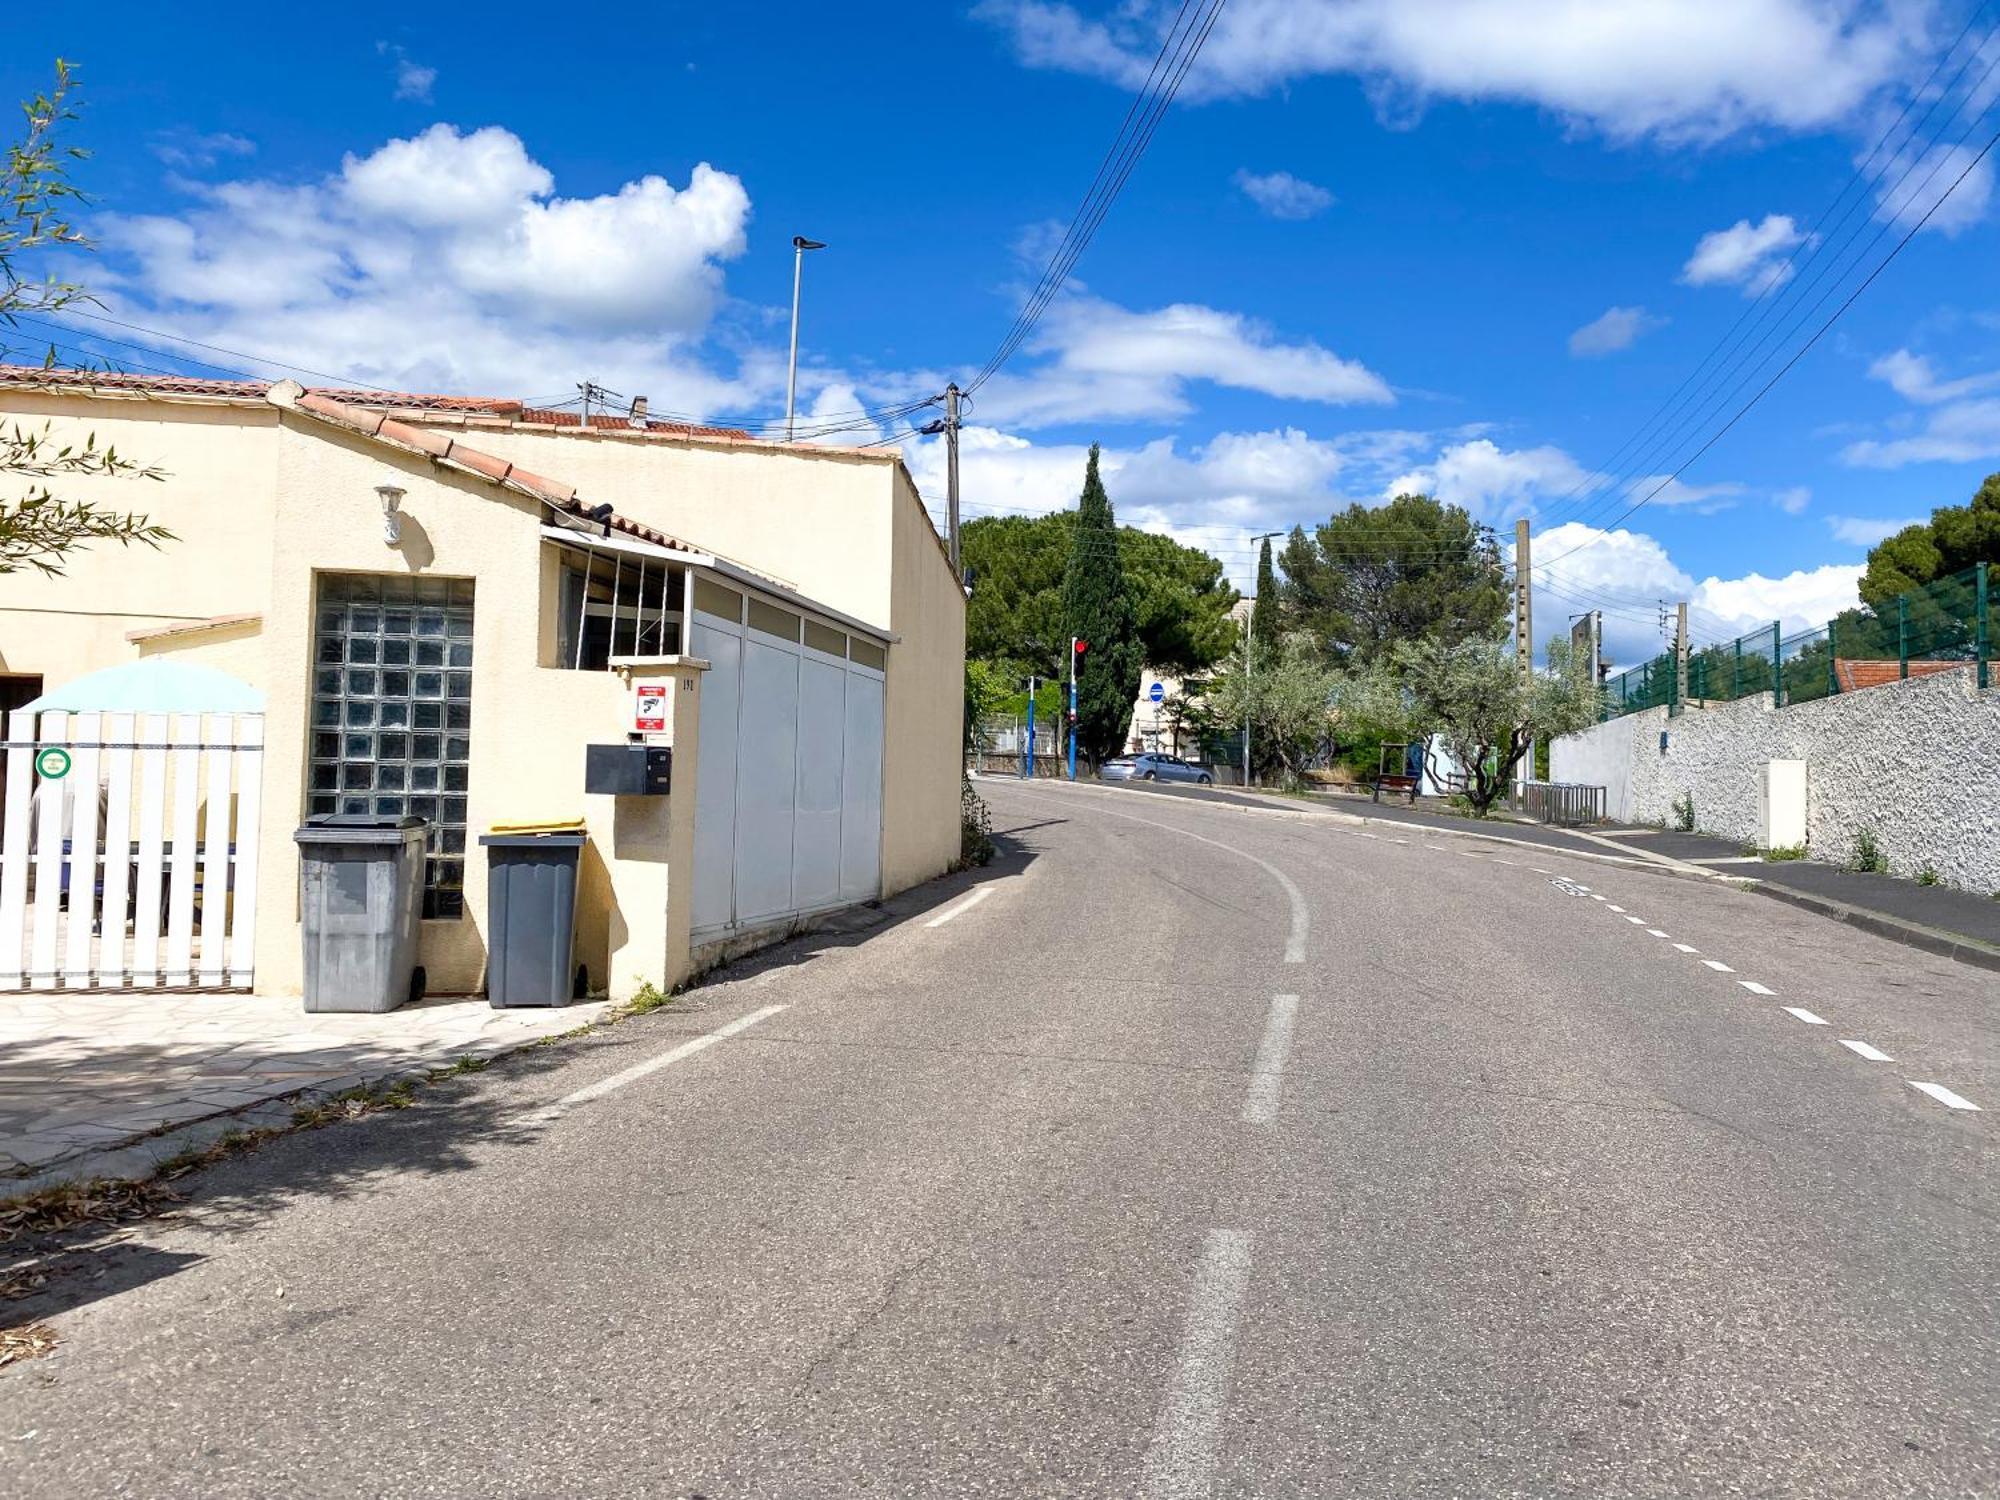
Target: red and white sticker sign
{"points": [[649, 708]]}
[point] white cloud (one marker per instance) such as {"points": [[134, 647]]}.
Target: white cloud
{"points": [[1912, 377], [1754, 257], [187, 150], [1866, 531], [446, 261], [1614, 329], [1492, 482], [1108, 363], [1214, 496], [1283, 196], [1661, 490], [413, 79], [1793, 501], [1949, 183], [1673, 69], [1627, 574], [1962, 432]]}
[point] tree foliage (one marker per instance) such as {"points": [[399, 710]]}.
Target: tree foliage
{"points": [[1473, 694], [1288, 695], [39, 528], [1180, 598], [1097, 610], [1264, 627], [1952, 540], [1374, 577]]}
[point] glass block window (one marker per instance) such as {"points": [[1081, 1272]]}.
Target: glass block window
{"points": [[392, 712]]}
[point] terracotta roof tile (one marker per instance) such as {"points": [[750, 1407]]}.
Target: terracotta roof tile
{"points": [[1854, 674], [249, 390], [542, 416]]}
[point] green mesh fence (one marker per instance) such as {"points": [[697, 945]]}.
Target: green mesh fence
{"points": [[1952, 622]]}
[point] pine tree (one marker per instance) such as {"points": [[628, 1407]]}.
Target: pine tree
{"points": [[1097, 609], [1264, 614]]}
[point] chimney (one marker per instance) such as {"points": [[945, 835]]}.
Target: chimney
{"points": [[639, 412]]}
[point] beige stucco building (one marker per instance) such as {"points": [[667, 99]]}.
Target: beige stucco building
{"points": [[555, 566]]}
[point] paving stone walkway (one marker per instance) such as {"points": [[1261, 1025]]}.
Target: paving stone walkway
{"points": [[84, 1074]]}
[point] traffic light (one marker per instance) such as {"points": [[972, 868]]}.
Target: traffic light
{"points": [[1080, 644]]}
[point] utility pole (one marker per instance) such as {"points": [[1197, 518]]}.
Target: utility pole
{"points": [[800, 244], [1029, 772], [1524, 626], [951, 394], [1681, 653], [1524, 603]]}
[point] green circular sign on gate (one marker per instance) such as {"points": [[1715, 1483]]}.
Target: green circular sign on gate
{"points": [[52, 763]]}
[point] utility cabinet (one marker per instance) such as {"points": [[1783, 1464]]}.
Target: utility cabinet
{"points": [[1781, 804]]}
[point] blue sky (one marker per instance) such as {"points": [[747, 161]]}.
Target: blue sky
{"points": [[1470, 246]]}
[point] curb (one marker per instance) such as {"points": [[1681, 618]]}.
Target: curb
{"points": [[1951, 945]]}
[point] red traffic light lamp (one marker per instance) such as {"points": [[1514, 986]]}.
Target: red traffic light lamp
{"points": [[1080, 645]]}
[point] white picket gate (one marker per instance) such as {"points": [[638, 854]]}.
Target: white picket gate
{"points": [[136, 867]]}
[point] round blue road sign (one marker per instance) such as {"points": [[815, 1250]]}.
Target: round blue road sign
{"points": [[1159, 691]]}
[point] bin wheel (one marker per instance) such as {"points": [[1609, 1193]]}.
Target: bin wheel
{"points": [[418, 981], [581, 988]]}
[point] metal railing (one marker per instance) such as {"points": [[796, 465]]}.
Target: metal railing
{"points": [[1568, 804], [1950, 622]]}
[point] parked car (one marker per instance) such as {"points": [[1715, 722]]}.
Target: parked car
{"points": [[1152, 767]]}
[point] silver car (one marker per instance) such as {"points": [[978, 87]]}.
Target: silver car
{"points": [[1152, 766]]}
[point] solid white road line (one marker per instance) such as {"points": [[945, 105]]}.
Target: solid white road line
{"points": [[637, 1071], [1944, 1095], [1180, 1465], [1295, 940], [1755, 988], [1260, 1106], [1862, 1049], [962, 908], [1718, 966], [1805, 1015], [1687, 947]]}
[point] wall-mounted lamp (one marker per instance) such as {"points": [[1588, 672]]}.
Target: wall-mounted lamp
{"points": [[392, 502]]}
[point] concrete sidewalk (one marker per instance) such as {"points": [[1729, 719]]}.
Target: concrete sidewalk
{"points": [[95, 1084]]}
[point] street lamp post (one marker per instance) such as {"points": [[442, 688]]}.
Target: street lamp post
{"points": [[800, 244], [1249, 637]]}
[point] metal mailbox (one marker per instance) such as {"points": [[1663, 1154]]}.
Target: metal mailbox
{"points": [[628, 770]]}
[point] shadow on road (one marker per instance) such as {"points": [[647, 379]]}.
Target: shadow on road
{"points": [[451, 1125]]}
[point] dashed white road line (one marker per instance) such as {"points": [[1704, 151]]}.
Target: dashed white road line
{"points": [[1805, 1015], [1637, 921], [1654, 932], [1180, 1464], [1267, 1080], [1944, 1095], [1719, 966], [1755, 988], [1687, 948], [1863, 1049], [637, 1071], [1618, 909], [962, 908]]}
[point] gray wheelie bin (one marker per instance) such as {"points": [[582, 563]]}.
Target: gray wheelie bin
{"points": [[361, 896], [531, 917]]}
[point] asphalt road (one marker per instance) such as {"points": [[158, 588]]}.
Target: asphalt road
{"points": [[1191, 1149]]}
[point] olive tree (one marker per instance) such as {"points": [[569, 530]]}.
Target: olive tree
{"points": [[1473, 695], [39, 527]]}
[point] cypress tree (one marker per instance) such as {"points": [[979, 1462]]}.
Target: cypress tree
{"points": [[1097, 608], [1264, 614]]}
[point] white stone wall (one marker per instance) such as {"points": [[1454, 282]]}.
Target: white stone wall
{"points": [[1917, 763]]}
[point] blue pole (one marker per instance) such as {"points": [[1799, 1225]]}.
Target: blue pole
{"points": [[1028, 770], [1072, 717]]}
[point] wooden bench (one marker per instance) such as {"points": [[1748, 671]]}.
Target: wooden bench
{"points": [[1406, 785]]}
